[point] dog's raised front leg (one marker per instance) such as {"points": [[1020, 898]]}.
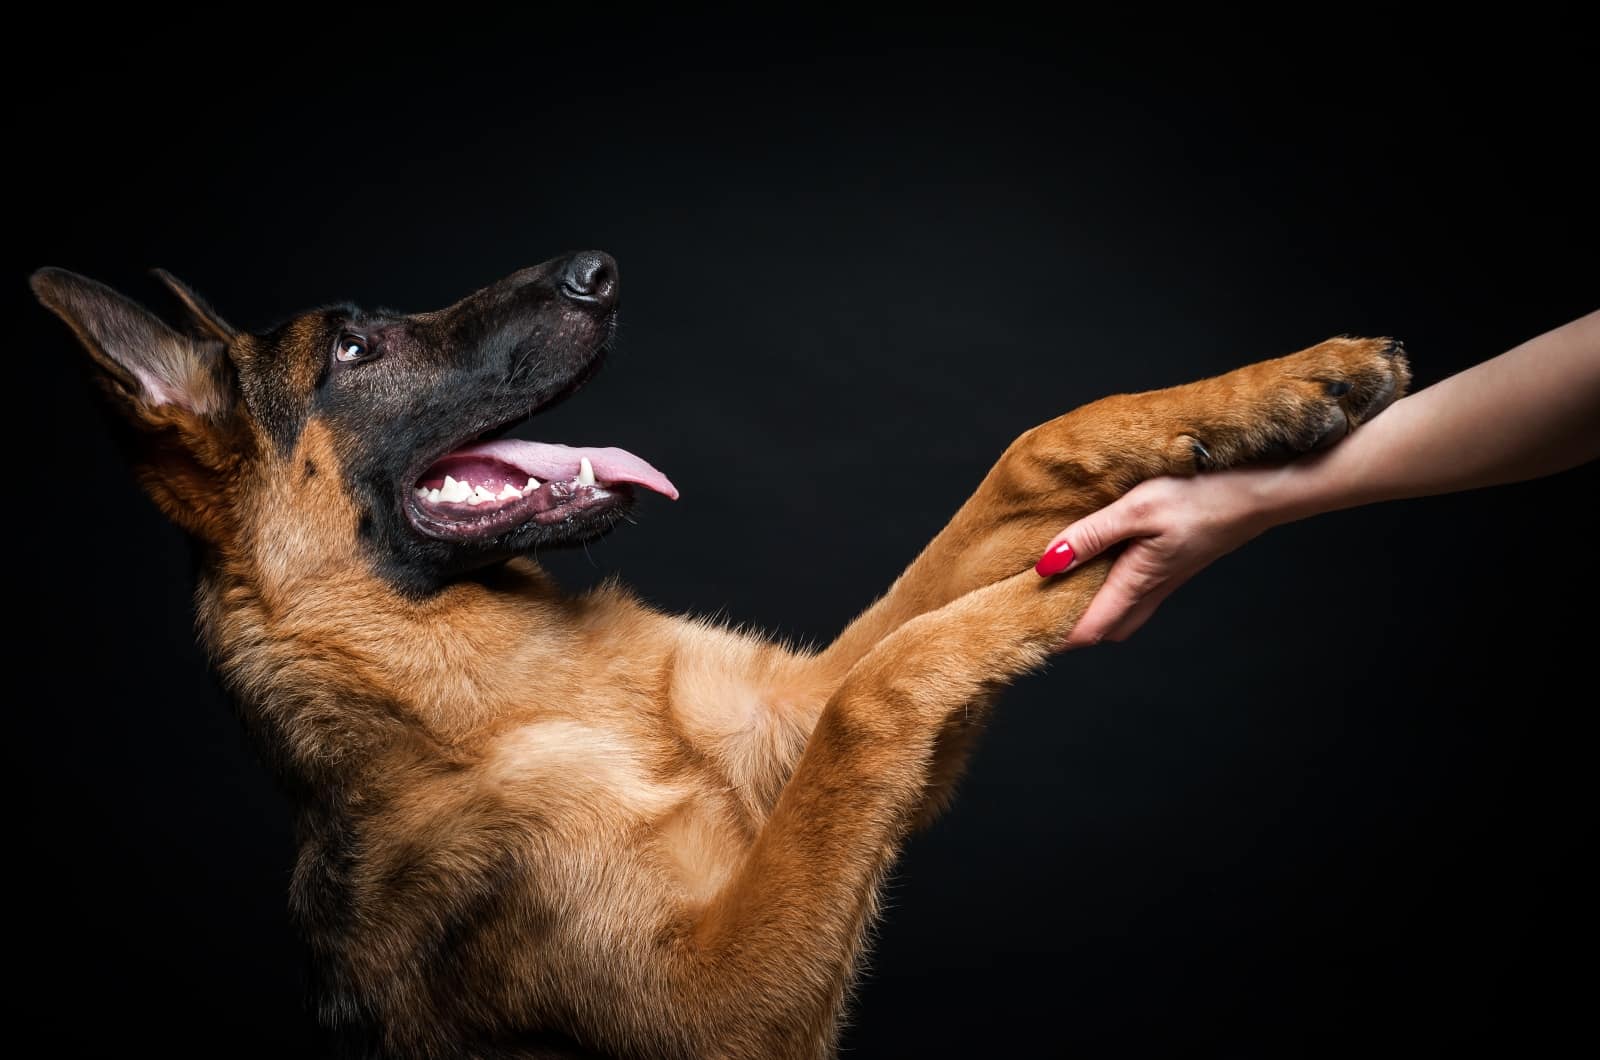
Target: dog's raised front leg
{"points": [[1083, 460], [1087, 458], [769, 960]]}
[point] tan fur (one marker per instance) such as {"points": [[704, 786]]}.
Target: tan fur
{"points": [[535, 822]]}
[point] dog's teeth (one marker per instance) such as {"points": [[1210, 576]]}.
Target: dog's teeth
{"points": [[508, 492], [532, 485], [474, 500], [480, 495], [433, 495], [585, 472], [422, 492], [454, 491]]}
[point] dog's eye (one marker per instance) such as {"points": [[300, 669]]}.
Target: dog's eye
{"points": [[352, 348]]}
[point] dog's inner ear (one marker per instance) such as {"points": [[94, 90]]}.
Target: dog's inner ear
{"points": [[153, 369], [177, 391]]}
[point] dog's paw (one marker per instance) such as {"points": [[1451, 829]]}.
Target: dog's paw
{"points": [[1303, 402]]}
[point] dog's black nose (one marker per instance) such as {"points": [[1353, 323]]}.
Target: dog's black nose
{"points": [[591, 278]]}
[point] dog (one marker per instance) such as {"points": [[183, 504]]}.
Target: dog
{"points": [[533, 824]]}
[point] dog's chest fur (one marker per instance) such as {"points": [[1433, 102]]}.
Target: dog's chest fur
{"points": [[671, 740]]}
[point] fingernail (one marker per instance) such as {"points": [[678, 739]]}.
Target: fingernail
{"points": [[1054, 561]]}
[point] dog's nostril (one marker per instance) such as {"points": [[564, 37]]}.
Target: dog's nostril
{"points": [[590, 277]]}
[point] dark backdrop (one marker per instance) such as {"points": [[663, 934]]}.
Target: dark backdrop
{"points": [[1331, 799]]}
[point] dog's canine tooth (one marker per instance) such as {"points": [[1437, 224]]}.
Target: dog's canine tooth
{"points": [[532, 485], [585, 472]]}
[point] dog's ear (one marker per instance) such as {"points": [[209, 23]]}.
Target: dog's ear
{"points": [[178, 392], [204, 319], [155, 371]]}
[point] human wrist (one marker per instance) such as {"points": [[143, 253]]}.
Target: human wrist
{"points": [[1283, 494]]}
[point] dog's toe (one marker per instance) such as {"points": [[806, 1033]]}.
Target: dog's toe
{"points": [[1338, 426], [1380, 400]]}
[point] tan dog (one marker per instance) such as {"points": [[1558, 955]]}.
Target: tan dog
{"points": [[538, 825]]}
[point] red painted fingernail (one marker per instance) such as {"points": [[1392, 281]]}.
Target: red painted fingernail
{"points": [[1054, 561]]}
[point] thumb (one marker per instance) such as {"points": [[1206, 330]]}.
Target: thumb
{"points": [[1087, 538]]}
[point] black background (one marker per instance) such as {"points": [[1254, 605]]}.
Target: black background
{"points": [[1332, 798]]}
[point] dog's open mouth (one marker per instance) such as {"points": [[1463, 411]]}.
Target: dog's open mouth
{"points": [[486, 489]]}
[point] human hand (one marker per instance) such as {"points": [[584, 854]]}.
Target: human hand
{"points": [[1530, 411], [1174, 527]]}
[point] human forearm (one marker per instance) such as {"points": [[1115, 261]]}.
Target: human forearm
{"points": [[1531, 411]]}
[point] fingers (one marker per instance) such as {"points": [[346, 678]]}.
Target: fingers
{"points": [[1088, 537], [1141, 612], [1117, 598], [1174, 528], [1131, 594]]}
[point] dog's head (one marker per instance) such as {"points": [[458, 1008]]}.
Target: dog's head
{"points": [[345, 433]]}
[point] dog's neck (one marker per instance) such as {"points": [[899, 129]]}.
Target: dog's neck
{"points": [[336, 672]]}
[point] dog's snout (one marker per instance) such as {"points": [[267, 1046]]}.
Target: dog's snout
{"points": [[590, 277]]}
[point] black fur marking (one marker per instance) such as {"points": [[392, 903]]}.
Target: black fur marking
{"points": [[311, 469], [516, 347], [1338, 389]]}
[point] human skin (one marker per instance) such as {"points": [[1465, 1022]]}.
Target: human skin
{"points": [[1533, 410]]}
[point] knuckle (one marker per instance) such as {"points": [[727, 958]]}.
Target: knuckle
{"points": [[1158, 491], [1090, 540], [1154, 496]]}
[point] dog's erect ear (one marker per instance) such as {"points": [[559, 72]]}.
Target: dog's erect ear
{"points": [[201, 315], [177, 391], [153, 368]]}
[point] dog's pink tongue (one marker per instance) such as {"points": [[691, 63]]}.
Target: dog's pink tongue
{"points": [[547, 462]]}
